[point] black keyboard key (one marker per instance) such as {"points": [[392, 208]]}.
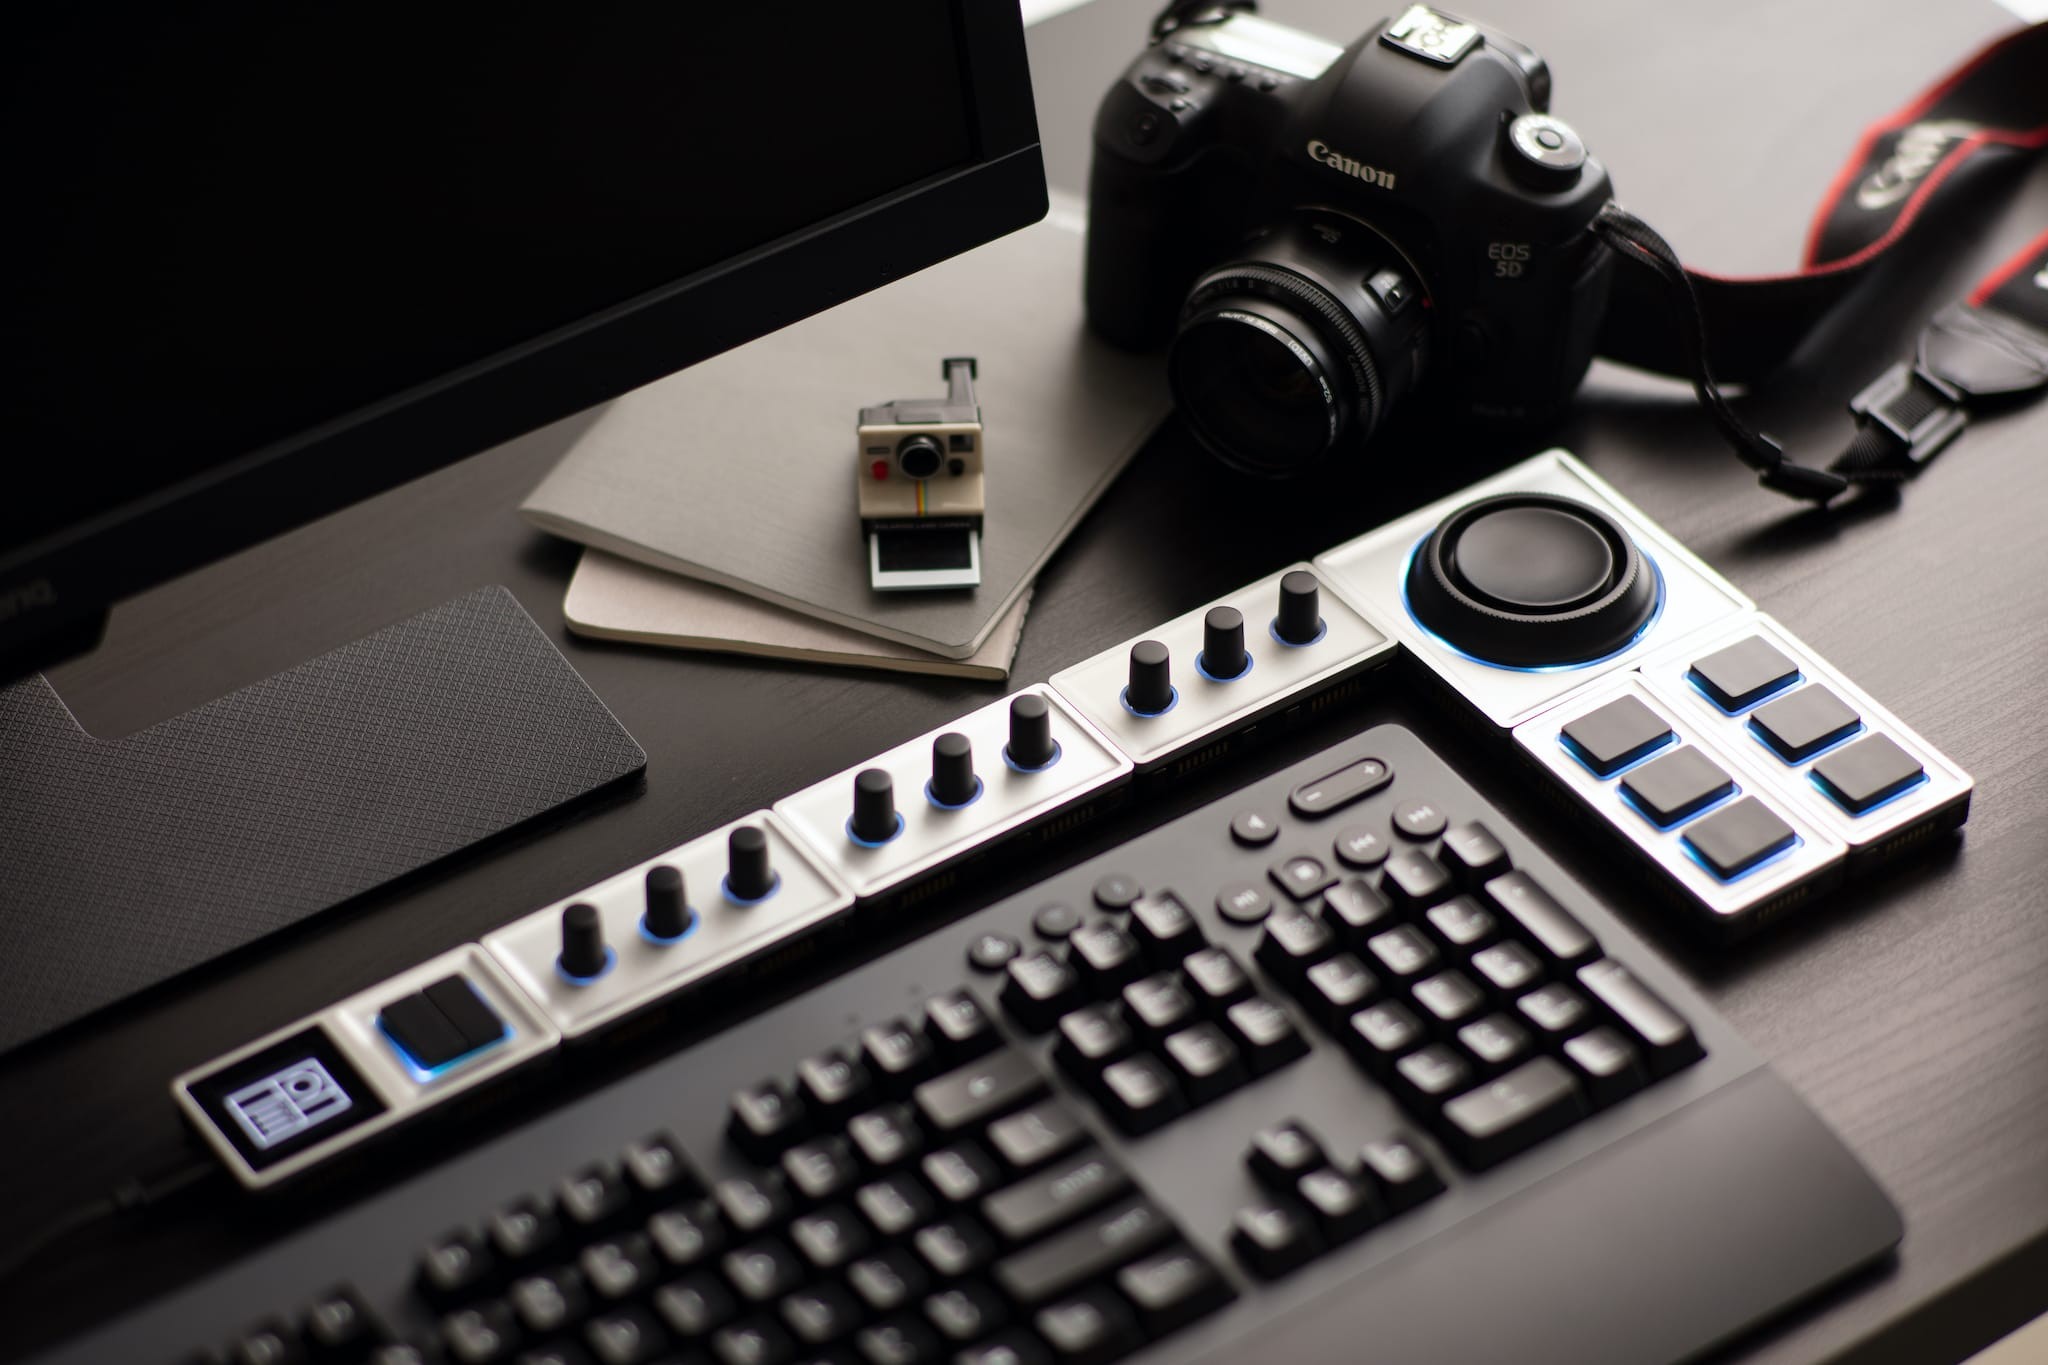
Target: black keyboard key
{"points": [[555, 1353], [1283, 1154], [1139, 1094], [1380, 1033], [1402, 953], [625, 1336], [766, 1119], [1254, 828], [753, 1341], [1537, 1099], [524, 1230], [958, 1027], [1738, 837], [832, 1085], [1292, 942], [966, 1311], [1166, 928], [821, 1169], [979, 1091], [422, 1033], [1337, 988], [1472, 854], [1039, 1203], [962, 1172], [1090, 1038], [1157, 1005], [1206, 1062], [1740, 675], [1172, 1287], [656, 1168], [1360, 847], [1413, 880], [1353, 782], [482, 1334], [1401, 1173], [1301, 875], [1031, 1137], [1418, 820], [594, 1197], [1243, 902], [1355, 910], [1868, 773], [1039, 989], [1556, 1010], [820, 1313], [1088, 1328], [1343, 1206], [267, 1343], [1508, 968], [899, 1341], [1606, 1063], [337, 1327], [687, 1235], [1091, 1248], [889, 1280], [753, 1203], [1535, 916], [1265, 1034], [1274, 1237], [1216, 978], [1676, 786], [1115, 891], [829, 1238], [1104, 955], [696, 1305], [1496, 1042], [1014, 1346], [988, 952], [1666, 1040], [1798, 726], [896, 1055], [618, 1267], [762, 1270], [1433, 1073], [885, 1137], [894, 1206], [454, 1267], [1448, 999], [1613, 736], [1463, 924]]}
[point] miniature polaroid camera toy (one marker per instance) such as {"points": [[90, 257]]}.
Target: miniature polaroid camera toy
{"points": [[1322, 232], [920, 487]]}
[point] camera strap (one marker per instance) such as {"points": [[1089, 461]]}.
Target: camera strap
{"points": [[1884, 205]]}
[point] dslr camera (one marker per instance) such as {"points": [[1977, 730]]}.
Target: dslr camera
{"points": [[1321, 233]]}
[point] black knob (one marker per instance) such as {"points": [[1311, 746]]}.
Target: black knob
{"points": [[1545, 153], [583, 952], [1223, 653], [1300, 618], [875, 820], [668, 909], [1031, 743], [1150, 690], [1530, 580], [747, 874], [953, 779]]}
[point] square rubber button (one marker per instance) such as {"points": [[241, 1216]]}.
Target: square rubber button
{"points": [[1872, 770], [1799, 726], [1616, 735], [1744, 673], [1739, 836], [1680, 784]]}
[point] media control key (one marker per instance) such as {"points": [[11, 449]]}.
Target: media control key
{"points": [[1353, 782]]}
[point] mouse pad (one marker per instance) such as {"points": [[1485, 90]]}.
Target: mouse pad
{"points": [[123, 863]]}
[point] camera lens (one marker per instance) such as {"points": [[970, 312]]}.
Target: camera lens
{"points": [[919, 457], [1298, 348]]}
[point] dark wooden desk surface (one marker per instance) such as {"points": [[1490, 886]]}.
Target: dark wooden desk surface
{"points": [[1912, 1013]]}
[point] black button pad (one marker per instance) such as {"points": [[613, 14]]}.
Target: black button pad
{"points": [[441, 1024], [1676, 786], [1798, 726], [1737, 837], [1740, 675], [1615, 735], [1868, 773]]}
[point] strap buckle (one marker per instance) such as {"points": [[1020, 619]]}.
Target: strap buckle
{"points": [[1912, 414]]}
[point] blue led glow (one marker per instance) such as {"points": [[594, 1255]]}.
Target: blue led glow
{"points": [[1014, 766], [864, 843], [610, 959], [1656, 614], [1322, 629], [424, 1074], [1670, 738], [1203, 669], [1808, 757], [658, 941], [1759, 700], [1172, 701], [1915, 785], [1685, 819], [1757, 866], [725, 886], [952, 805]]}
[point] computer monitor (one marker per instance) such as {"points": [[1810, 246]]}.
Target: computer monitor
{"points": [[265, 260]]}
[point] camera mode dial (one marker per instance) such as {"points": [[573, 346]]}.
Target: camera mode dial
{"points": [[1544, 153], [1532, 580]]}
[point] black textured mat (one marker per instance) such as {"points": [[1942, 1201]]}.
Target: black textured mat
{"points": [[123, 863]]}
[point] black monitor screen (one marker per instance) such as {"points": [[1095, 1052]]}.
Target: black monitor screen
{"points": [[231, 223]]}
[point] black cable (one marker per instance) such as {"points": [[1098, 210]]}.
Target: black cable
{"points": [[130, 1196]]}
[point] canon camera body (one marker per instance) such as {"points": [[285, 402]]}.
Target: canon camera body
{"points": [[1320, 232]]}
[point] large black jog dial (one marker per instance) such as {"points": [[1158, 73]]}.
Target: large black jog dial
{"points": [[1532, 579]]}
